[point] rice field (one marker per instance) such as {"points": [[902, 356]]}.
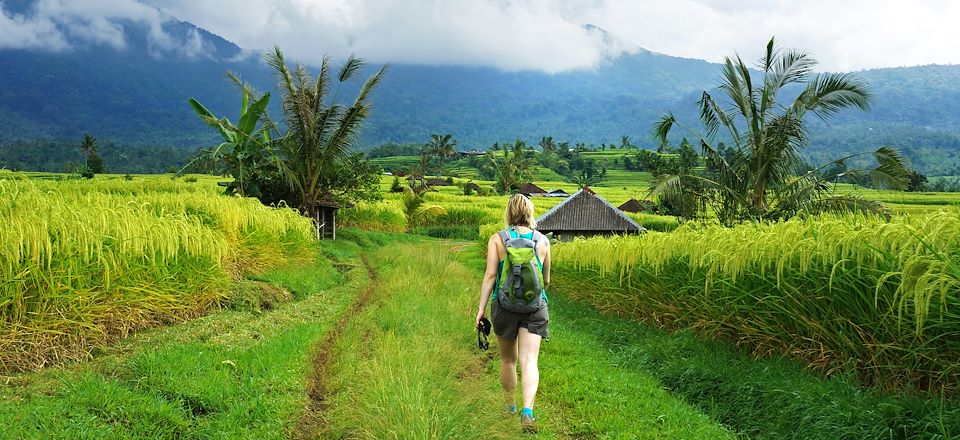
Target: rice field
{"points": [[859, 296], [85, 262]]}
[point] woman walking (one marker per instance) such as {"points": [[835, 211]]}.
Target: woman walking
{"points": [[519, 308]]}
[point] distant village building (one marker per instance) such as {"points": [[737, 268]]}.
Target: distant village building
{"points": [[585, 214], [557, 193], [472, 186], [531, 190], [438, 182], [472, 152], [634, 205]]}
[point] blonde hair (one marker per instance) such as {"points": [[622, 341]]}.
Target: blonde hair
{"points": [[519, 212]]}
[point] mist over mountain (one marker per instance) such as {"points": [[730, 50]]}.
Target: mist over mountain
{"points": [[133, 92]]}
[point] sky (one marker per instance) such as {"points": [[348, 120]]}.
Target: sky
{"points": [[547, 35]]}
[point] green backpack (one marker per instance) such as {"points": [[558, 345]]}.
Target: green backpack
{"points": [[521, 277]]}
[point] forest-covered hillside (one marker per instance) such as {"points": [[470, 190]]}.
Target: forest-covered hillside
{"points": [[137, 96]]}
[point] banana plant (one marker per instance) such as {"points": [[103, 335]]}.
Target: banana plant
{"points": [[248, 146]]}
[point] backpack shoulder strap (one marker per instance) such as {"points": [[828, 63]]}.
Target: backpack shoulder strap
{"points": [[504, 235], [537, 236]]}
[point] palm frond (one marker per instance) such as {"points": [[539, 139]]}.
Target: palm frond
{"points": [[323, 81], [276, 60], [829, 93], [891, 171], [789, 67], [734, 86], [244, 87], [372, 84], [848, 204], [770, 55], [661, 128], [350, 68]]}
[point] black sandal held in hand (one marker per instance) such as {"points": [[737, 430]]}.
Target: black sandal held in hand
{"points": [[483, 331]]}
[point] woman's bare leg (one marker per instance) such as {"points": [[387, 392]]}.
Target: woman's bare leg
{"points": [[508, 369], [529, 344]]}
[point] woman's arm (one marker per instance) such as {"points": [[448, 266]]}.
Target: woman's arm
{"points": [[489, 277]]}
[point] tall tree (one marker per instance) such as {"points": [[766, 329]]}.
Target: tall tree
{"points": [[511, 167], [441, 146], [548, 145], [322, 131], [764, 179], [88, 145]]}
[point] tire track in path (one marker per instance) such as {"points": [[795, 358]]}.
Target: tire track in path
{"points": [[313, 422]]}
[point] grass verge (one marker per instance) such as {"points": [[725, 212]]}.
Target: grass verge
{"points": [[233, 374], [773, 397]]}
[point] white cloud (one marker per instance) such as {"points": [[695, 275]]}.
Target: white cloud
{"points": [[59, 25], [529, 34], [517, 34], [843, 35]]}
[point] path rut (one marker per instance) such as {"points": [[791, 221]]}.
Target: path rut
{"points": [[313, 422]]}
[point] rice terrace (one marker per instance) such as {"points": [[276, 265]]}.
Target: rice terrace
{"points": [[226, 232]]}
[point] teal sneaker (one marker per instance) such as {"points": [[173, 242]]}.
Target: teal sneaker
{"points": [[510, 409], [527, 423]]}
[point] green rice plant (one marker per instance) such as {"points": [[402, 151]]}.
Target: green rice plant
{"points": [[373, 216], [846, 294], [485, 232], [463, 216], [81, 266], [654, 222]]}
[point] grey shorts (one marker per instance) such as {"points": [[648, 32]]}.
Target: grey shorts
{"points": [[506, 324]]}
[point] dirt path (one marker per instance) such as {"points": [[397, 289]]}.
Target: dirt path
{"points": [[312, 422]]}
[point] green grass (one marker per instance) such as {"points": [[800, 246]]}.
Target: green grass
{"points": [[409, 368], [770, 398], [235, 374]]}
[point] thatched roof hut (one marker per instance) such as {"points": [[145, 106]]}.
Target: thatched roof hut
{"points": [[586, 214], [557, 193], [634, 205], [529, 189]]}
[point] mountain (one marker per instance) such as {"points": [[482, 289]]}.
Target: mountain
{"points": [[136, 96]]}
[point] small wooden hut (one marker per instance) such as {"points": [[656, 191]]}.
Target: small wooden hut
{"points": [[585, 214], [557, 193], [327, 217], [531, 190], [634, 205]]}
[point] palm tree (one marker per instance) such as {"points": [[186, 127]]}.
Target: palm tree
{"points": [[512, 167], [582, 180], [764, 179], [88, 145], [441, 146], [548, 144], [321, 130], [416, 210]]}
